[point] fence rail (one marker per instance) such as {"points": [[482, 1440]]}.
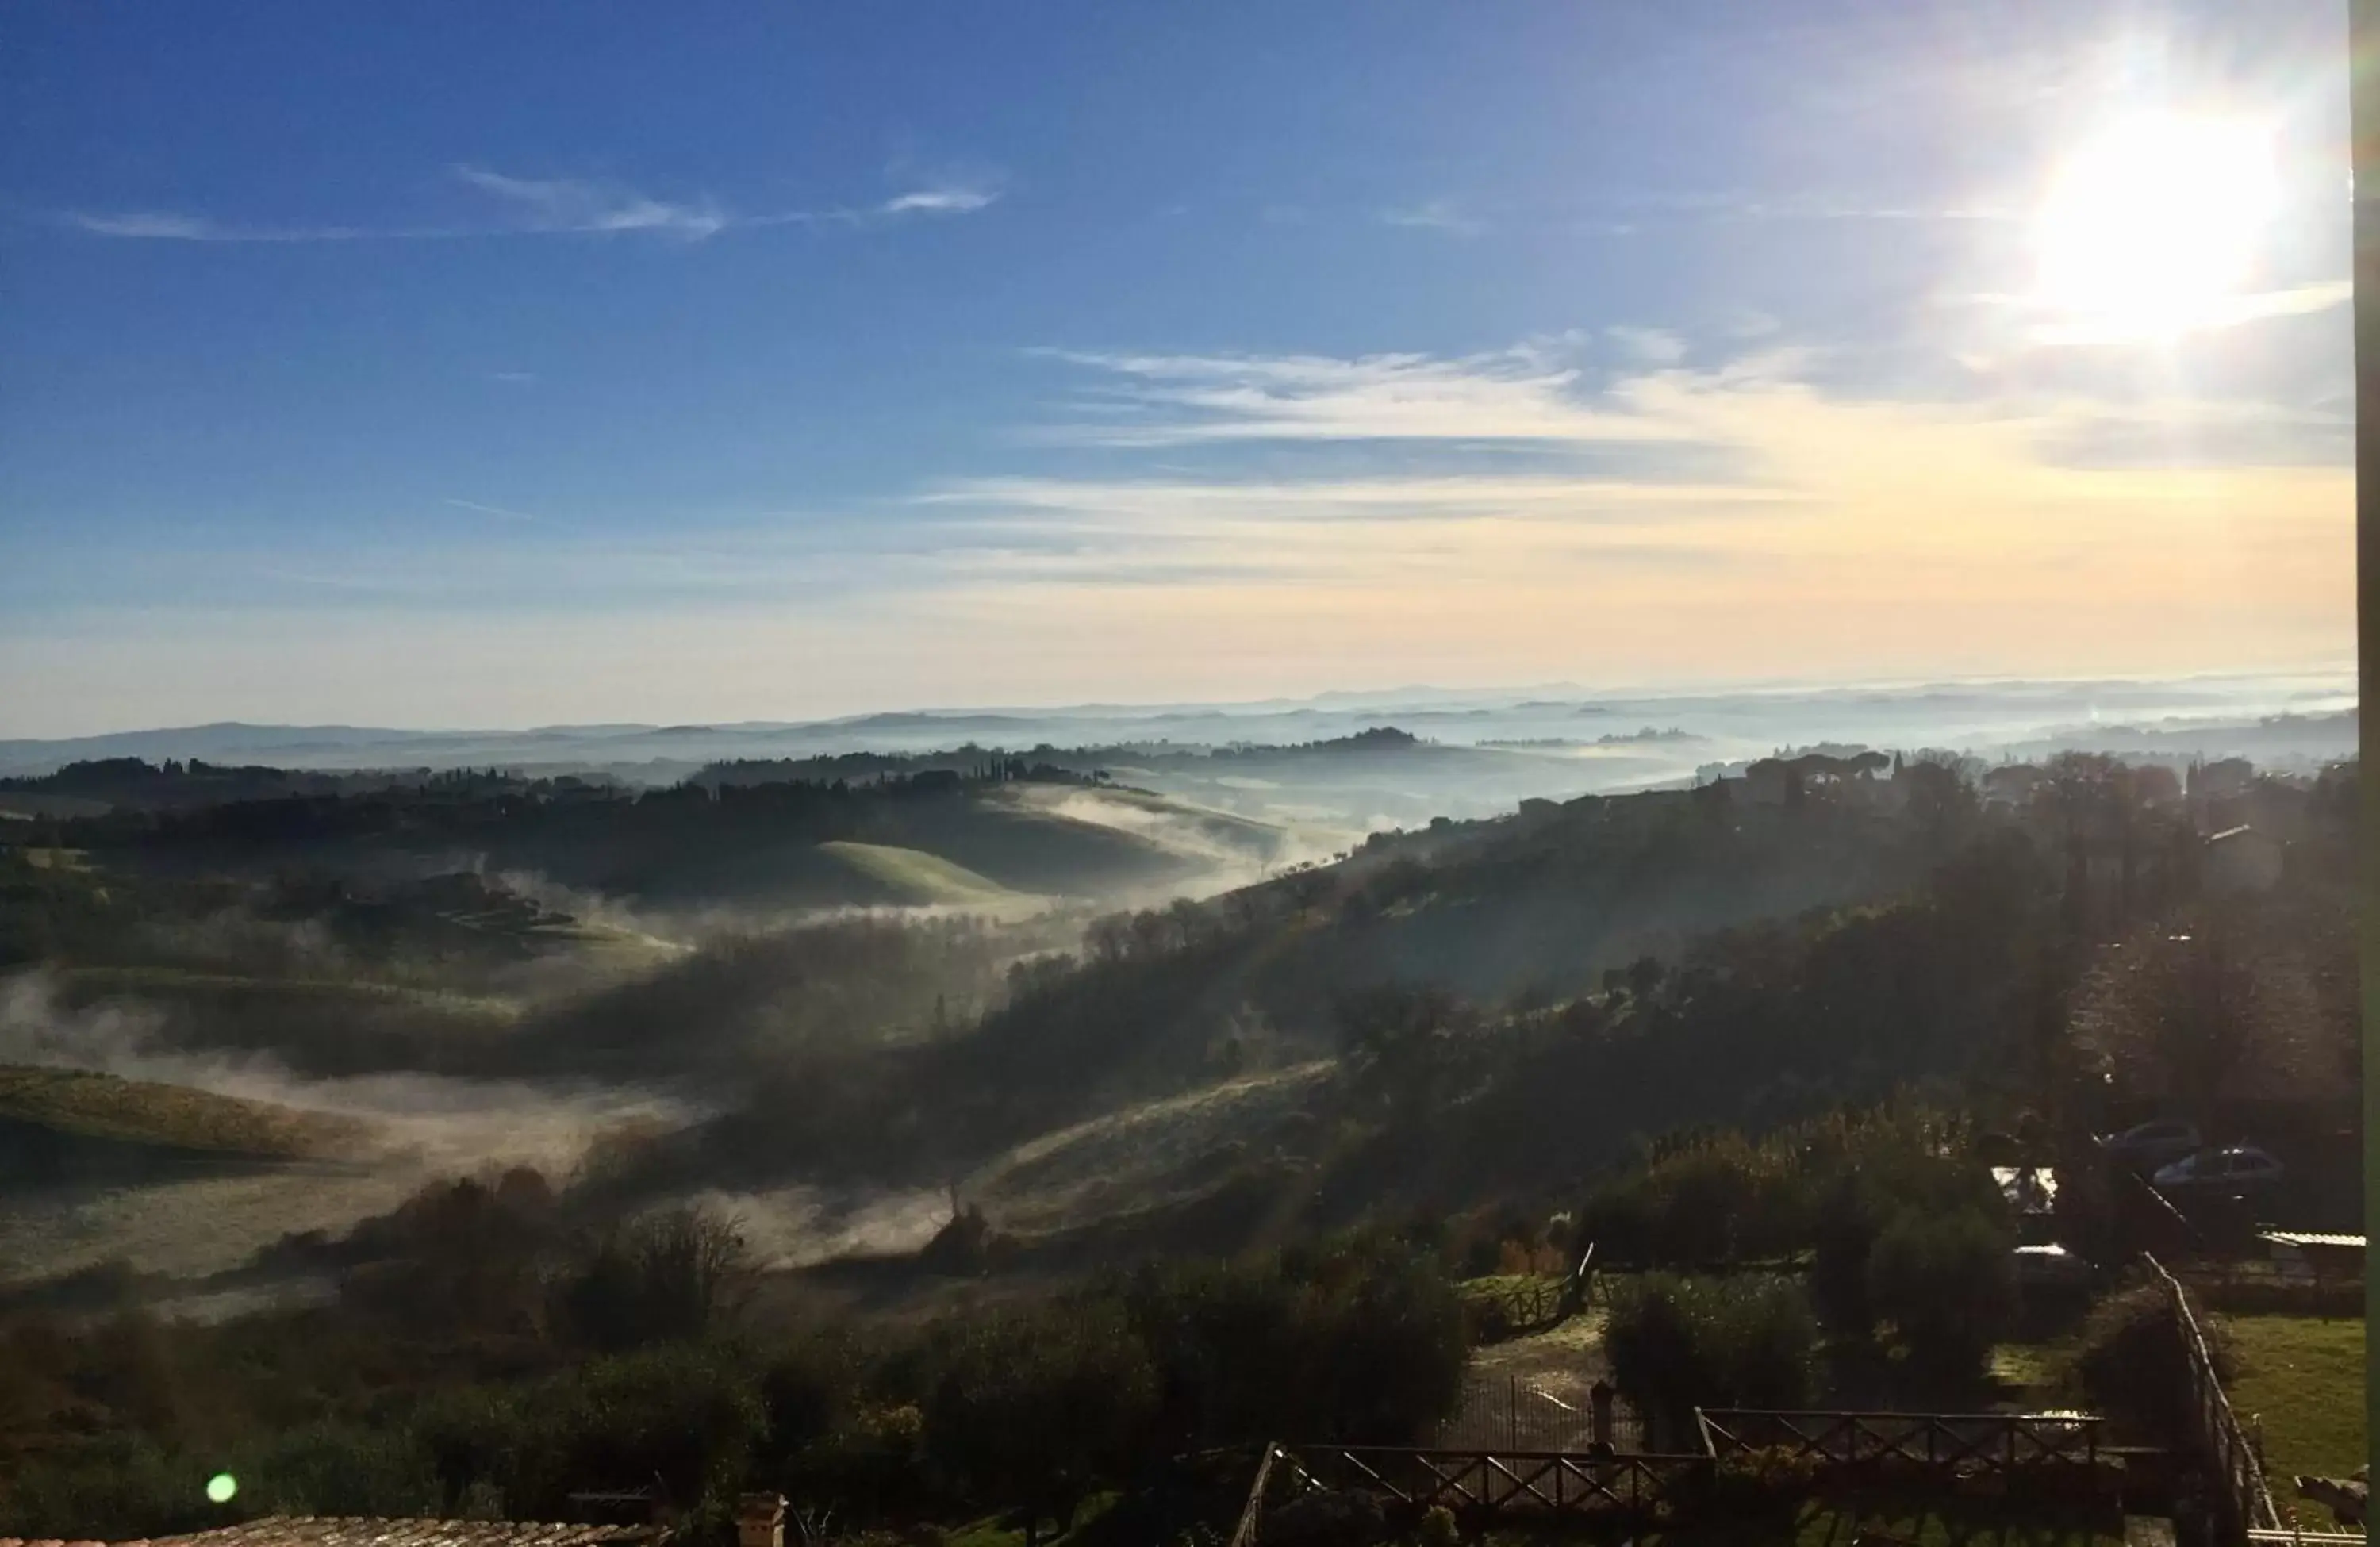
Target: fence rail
{"points": [[2260, 1286], [1542, 1302], [1474, 1484], [1252, 1513], [1493, 1481], [1983, 1442], [2246, 1505], [1524, 1308]]}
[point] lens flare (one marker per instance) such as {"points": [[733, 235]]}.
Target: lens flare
{"points": [[221, 1487], [2149, 230]]}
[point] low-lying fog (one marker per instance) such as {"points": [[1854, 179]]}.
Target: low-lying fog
{"points": [[422, 1125], [415, 1127]]}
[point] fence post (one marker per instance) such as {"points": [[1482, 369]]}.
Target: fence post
{"points": [[1244, 1534], [1598, 1406]]}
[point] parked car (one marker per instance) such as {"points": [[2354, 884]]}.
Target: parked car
{"points": [[2233, 1167], [2152, 1145]]}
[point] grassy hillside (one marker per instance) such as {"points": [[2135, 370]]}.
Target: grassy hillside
{"points": [[1185, 827], [919, 878], [79, 1104], [1178, 1145], [316, 1026], [747, 845]]}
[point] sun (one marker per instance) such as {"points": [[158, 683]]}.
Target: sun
{"points": [[2151, 229]]}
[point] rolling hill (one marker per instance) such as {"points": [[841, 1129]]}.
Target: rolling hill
{"points": [[90, 1125], [919, 879]]}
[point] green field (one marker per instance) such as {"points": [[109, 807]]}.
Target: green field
{"points": [[2303, 1376], [916, 877], [101, 1106]]}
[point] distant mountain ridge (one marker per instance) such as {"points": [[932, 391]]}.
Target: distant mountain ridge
{"points": [[2206, 714]]}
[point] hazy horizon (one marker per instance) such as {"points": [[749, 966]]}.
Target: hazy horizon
{"points": [[1091, 358], [2279, 688]]}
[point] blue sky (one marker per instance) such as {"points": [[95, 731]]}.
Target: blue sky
{"points": [[466, 364]]}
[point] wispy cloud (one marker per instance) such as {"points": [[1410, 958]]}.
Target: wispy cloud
{"points": [[572, 205], [542, 206], [162, 226], [1825, 531], [1654, 345], [1165, 401], [2216, 316], [1769, 497], [1151, 506], [496, 511], [940, 200], [1435, 214]]}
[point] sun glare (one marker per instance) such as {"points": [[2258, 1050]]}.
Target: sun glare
{"points": [[2152, 228]]}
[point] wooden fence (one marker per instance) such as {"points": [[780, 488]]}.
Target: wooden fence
{"points": [[1252, 1513], [2242, 1503], [1962, 1443], [1473, 1484], [2258, 1287], [1495, 1482], [1544, 1302]]}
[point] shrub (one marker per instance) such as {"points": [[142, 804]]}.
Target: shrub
{"points": [[1765, 1481], [2129, 1358], [1708, 1199], [1844, 1227], [1384, 1350], [809, 1388], [1360, 1341], [1865, 1179], [1946, 1282], [686, 1415], [674, 1275], [1038, 1409], [871, 1466], [339, 1469], [1677, 1344], [471, 1439], [120, 1490]]}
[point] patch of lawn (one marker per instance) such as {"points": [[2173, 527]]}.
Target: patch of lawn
{"points": [[101, 1106], [990, 1532], [916, 876], [2031, 1372], [2304, 1375], [1495, 1287]]}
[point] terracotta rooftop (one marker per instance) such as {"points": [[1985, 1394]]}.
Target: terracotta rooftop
{"points": [[308, 1531]]}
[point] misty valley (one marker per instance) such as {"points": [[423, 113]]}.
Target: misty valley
{"points": [[414, 1136]]}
